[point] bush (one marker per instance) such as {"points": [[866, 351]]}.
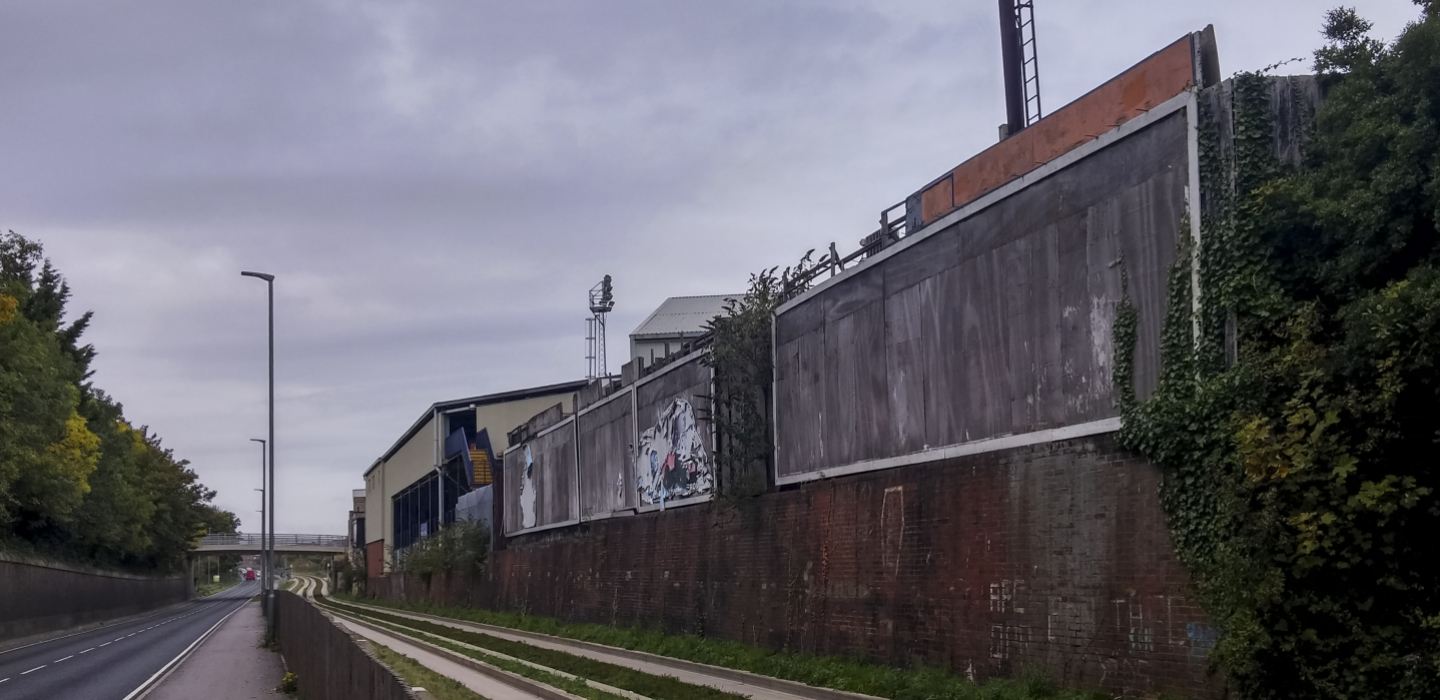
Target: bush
{"points": [[458, 547]]}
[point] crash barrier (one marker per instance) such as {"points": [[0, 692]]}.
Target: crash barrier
{"points": [[328, 662]]}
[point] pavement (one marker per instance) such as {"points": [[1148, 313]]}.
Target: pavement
{"points": [[115, 661], [229, 665]]}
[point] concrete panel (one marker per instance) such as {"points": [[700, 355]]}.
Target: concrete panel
{"points": [[675, 450], [606, 435], [999, 325], [544, 491], [41, 597]]}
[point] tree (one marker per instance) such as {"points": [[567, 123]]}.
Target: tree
{"points": [[741, 357], [76, 480], [1299, 475]]}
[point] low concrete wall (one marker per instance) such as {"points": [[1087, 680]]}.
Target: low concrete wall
{"points": [[41, 597], [328, 662]]}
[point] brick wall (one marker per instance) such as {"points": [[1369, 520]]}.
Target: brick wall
{"points": [[1054, 555]]}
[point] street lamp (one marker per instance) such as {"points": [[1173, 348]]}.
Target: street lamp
{"points": [[270, 289], [264, 565]]}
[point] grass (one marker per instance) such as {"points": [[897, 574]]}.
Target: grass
{"points": [[646, 684], [414, 674], [570, 685], [852, 675], [208, 589]]}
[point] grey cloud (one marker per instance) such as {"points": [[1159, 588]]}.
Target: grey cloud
{"points": [[436, 184]]}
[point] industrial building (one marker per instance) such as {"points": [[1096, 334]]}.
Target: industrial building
{"points": [[676, 321], [412, 489]]}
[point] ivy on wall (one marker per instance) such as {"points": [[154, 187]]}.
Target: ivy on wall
{"points": [[1297, 416]]}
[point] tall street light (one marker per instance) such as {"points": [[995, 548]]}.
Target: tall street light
{"points": [[264, 486], [270, 592]]}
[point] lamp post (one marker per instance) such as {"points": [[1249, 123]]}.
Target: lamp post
{"points": [[269, 597], [264, 565]]}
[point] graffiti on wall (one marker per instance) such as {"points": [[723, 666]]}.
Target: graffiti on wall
{"points": [[527, 492], [671, 463]]}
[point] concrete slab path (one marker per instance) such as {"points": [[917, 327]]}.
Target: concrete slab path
{"points": [[483, 685], [230, 665], [729, 685]]}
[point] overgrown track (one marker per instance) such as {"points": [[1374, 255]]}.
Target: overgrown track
{"points": [[621, 669]]}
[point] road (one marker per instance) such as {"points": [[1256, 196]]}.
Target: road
{"points": [[111, 663]]}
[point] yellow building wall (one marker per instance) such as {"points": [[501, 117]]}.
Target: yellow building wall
{"points": [[416, 458]]}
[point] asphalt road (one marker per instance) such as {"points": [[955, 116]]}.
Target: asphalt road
{"points": [[112, 662]]}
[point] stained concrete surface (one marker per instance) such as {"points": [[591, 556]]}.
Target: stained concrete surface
{"points": [[230, 665]]}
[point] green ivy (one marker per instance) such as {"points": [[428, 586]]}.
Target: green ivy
{"points": [[1295, 419]]}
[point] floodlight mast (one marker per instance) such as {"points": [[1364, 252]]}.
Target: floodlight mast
{"points": [[602, 301]]}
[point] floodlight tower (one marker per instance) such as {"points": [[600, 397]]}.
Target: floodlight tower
{"points": [[602, 300]]}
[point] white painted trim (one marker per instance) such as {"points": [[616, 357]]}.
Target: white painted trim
{"points": [[685, 360], [1109, 138], [150, 683], [627, 512], [996, 444], [542, 528], [679, 503]]}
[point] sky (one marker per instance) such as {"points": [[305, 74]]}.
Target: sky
{"points": [[436, 185]]}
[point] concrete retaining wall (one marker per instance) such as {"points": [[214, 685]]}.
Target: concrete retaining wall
{"points": [[38, 597], [328, 662]]}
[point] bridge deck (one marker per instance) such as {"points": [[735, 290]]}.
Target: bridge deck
{"points": [[249, 543]]}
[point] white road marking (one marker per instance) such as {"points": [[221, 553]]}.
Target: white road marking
{"points": [[90, 649], [56, 661], [37, 668], [2, 680], [144, 687], [106, 644]]}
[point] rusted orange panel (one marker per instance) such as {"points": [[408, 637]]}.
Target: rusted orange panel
{"points": [[936, 201], [1156, 79]]}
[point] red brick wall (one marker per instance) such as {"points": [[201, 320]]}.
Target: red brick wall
{"points": [[1055, 555], [375, 558]]}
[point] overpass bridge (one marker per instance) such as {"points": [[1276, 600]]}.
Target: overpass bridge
{"points": [[249, 543]]}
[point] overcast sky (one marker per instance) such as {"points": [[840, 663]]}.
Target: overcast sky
{"points": [[436, 185]]}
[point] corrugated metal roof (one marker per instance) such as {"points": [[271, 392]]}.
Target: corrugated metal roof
{"points": [[682, 316], [521, 394]]}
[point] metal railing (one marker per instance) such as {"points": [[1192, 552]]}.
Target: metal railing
{"points": [[248, 539], [892, 229]]}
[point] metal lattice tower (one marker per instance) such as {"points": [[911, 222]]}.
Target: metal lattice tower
{"points": [[602, 301]]}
